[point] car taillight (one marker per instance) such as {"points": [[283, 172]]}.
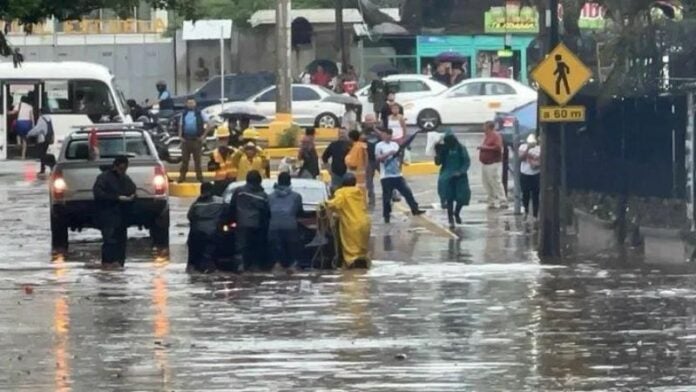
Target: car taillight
{"points": [[58, 184], [160, 181], [229, 227]]}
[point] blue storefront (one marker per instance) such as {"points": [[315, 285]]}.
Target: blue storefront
{"points": [[484, 54]]}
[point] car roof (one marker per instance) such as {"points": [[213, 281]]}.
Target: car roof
{"points": [[55, 70], [296, 182], [77, 135], [408, 77]]}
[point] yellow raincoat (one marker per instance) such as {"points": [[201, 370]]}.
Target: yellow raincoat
{"points": [[349, 203], [225, 168], [243, 165]]}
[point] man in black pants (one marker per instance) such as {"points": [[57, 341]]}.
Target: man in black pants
{"points": [[204, 217], [45, 136], [249, 208], [388, 154], [114, 193]]}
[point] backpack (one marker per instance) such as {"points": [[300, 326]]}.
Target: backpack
{"points": [[50, 133]]}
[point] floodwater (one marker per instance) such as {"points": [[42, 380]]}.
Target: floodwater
{"points": [[433, 314]]}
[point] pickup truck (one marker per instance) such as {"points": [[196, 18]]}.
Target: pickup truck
{"points": [[70, 186]]}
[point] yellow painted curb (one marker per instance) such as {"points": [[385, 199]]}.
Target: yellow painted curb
{"points": [[279, 153], [187, 189], [420, 169]]}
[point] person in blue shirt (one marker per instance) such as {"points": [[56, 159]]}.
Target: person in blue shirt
{"points": [[164, 98], [193, 130]]}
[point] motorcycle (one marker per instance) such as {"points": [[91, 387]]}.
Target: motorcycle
{"points": [[168, 149]]}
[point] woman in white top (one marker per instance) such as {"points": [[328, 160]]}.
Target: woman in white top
{"points": [[530, 169], [397, 123], [349, 121], [24, 123]]}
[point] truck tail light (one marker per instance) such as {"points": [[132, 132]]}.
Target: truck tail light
{"points": [[58, 184], [160, 181]]}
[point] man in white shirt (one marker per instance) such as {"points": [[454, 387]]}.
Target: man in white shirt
{"points": [[387, 153], [530, 158]]}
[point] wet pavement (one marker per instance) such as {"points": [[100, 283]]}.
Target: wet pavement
{"points": [[476, 313]]}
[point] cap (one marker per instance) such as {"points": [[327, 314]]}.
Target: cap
{"points": [[249, 146]]}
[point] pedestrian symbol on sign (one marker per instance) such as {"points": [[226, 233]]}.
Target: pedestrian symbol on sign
{"points": [[561, 75], [561, 72]]}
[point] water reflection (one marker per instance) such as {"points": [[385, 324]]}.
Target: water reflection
{"points": [[61, 329], [160, 295]]}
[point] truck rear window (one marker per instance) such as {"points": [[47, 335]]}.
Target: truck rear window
{"points": [[109, 147]]}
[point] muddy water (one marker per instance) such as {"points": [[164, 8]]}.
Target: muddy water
{"points": [[434, 314]]}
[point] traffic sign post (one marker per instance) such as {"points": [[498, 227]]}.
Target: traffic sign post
{"points": [[561, 75], [562, 114]]}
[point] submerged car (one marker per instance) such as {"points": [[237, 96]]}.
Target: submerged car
{"points": [[314, 193]]}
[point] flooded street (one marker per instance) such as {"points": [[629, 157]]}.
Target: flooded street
{"points": [[433, 314]]}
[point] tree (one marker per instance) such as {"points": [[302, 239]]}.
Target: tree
{"points": [[29, 12]]}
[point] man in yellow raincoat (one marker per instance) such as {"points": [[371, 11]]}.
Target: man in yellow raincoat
{"points": [[350, 204], [249, 158], [252, 136]]}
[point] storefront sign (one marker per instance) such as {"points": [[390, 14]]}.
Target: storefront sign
{"points": [[591, 16], [512, 19]]}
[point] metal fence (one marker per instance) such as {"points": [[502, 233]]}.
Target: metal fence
{"points": [[633, 146]]}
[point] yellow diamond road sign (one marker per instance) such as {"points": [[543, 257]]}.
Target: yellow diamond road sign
{"points": [[561, 75]]}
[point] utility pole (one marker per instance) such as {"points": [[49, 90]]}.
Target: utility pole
{"points": [[283, 119], [341, 52], [551, 150]]}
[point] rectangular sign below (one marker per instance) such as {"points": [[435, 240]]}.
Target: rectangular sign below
{"points": [[562, 114]]}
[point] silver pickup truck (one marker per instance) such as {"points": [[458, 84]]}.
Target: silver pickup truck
{"points": [[70, 187]]}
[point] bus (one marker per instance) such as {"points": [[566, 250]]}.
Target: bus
{"points": [[73, 94]]}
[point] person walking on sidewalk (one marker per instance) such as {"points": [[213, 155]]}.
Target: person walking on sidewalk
{"points": [[193, 130], [530, 173], [387, 153], [453, 182], [491, 157]]}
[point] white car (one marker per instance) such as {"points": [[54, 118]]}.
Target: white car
{"points": [[308, 106], [472, 101], [410, 87]]}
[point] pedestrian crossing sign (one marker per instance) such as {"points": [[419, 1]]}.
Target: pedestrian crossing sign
{"points": [[561, 74]]}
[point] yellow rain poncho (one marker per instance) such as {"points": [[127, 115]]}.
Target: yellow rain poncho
{"points": [[349, 203]]}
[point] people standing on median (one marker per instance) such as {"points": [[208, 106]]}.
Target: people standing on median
{"points": [[491, 157], [354, 222], [114, 192], [204, 218], [372, 137], [250, 210], [356, 160], [283, 230], [193, 130], [307, 156], [530, 173], [453, 182], [336, 153], [388, 154]]}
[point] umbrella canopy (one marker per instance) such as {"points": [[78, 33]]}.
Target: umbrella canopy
{"points": [[242, 111], [450, 57], [328, 65], [384, 68], [343, 99]]}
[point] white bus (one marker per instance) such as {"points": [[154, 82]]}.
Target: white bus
{"points": [[72, 93]]}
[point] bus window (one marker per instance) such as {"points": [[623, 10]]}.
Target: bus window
{"points": [[92, 97]]}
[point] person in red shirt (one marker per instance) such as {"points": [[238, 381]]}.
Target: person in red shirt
{"points": [[491, 157], [321, 77]]}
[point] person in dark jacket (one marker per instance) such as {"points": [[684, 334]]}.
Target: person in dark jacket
{"points": [[283, 231], [250, 210], [372, 137], [336, 152], [114, 193], [204, 216], [193, 130], [307, 154]]}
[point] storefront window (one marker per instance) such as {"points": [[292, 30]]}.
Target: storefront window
{"points": [[489, 64]]}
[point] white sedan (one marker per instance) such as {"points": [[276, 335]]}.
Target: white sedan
{"points": [[472, 101], [309, 108], [409, 87]]}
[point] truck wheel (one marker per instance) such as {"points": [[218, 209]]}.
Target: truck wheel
{"points": [[159, 230], [59, 233]]}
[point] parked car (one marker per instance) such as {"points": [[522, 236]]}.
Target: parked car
{"points": [[238, 87], [407, 87], [472, 101], [309, 108], [72, 205], [314, 193]]}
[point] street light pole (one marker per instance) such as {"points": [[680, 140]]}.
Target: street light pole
{"points": [[283, 118], [551, 150]]}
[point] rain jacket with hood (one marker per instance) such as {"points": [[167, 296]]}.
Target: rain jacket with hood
{"points": [[349, 203], [283, 233], [250, 210], [204, 217]]}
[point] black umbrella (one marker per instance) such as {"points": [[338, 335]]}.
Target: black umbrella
{"points": [[450, 57], [384, 68], [328, 65], [242, 111]]}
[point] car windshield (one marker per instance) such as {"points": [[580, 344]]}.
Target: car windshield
{"points": [[109, 147]]}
